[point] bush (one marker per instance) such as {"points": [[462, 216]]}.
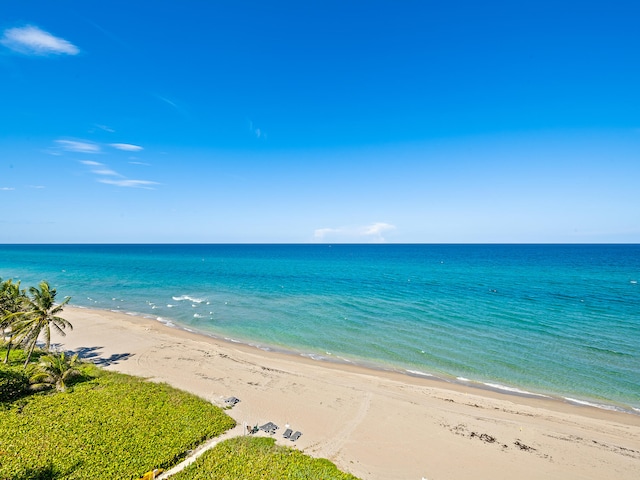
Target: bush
{"points": [[254, 458], [14, 383], [111, 426]]}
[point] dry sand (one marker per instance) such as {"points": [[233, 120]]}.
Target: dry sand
{"points": [[373, 424]]}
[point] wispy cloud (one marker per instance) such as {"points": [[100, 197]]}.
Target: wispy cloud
{"points": [[111, 177], [372, 233], [30, 40], [256, 131], [126, 182], [175, 105], [104, 128], [376, 230], [6, 189], [80, 147], [127, 147]]}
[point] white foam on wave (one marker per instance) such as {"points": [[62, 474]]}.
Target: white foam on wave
{"points": [[418, 372], [590, 404], [183, 298], [463, 379], [497, 386], [168, 323], [197, 315], [313, 356]]}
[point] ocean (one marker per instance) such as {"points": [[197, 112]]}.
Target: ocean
{"points": [[552, 320]]}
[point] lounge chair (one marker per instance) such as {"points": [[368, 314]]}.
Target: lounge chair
{"points": [[287, 433], [266, 427], [269, 427], [231, 401], [295, 436]]}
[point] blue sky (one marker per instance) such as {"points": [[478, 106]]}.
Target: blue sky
{"points": [[319, 121]]}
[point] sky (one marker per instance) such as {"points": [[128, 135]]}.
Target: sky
{"points": [[320, 121]]}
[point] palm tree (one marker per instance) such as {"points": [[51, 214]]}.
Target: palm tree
{"points": [[55, 370], [40, 314], [12, 300]]}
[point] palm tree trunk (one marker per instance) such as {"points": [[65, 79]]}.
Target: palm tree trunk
{"points": [[6, 357], [31, 348]]}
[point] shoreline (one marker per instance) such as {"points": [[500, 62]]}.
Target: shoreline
{"points": [[375, 424], [489, 386]]}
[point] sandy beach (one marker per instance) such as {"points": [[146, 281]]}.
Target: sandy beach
{"points": [[373, 424]]}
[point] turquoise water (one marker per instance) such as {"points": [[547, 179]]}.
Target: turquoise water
{"points": [[558, 320]]}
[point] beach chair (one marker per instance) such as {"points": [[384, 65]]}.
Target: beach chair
{"points": [[295, 436], [266, 427], [231, 401], [287, 433], [269, 427]]}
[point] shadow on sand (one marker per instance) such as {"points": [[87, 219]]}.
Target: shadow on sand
{"points": [[92, 354]]}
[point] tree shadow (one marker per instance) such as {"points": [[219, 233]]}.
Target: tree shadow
{"points": [[113, 359], [93, 355], [47, 472]]}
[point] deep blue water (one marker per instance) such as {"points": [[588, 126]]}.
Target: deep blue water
{"points": [[560, 320]]}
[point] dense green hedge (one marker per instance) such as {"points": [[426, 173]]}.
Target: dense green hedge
{"points": [[112, 426], [14, 383], [257, 458]]}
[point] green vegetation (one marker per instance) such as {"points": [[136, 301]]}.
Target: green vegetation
{"points": [[63, 419], [24, 318], [54, 370], [254, 458], [14, 383], [107, 426]]}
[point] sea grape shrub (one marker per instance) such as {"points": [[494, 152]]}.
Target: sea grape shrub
{"points": [[14, 383], [114, 424], [256, 458]]}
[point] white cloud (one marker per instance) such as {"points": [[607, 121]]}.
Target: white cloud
{"points": [[111, 177], [101, 127], [369, 233], [31, 40], [125, 182], [6, 189], [106, 171], [321, 233], [257, 132], [80, 147], [377, 229], [127, 147]]}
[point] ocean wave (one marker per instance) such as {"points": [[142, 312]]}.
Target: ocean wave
{"points": [[313, 356], [519, 391], [183, 298], [591, 404], [197, 315], [419, 373]]}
